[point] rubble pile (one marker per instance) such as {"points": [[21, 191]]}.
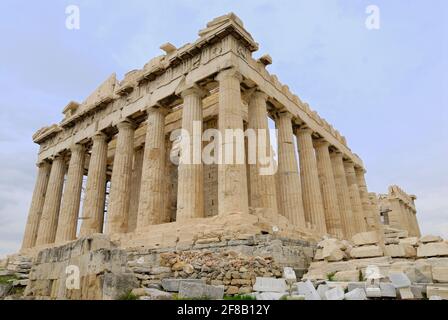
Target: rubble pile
{"points": [[393, 266]]}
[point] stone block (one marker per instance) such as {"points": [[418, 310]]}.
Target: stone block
{"points": [[432, 249], [321, 289], [406, 293], [115, 285], [400, 250], [307, 289], [356, 294], [430, 238], [270, 295], [388, 290], [154, 294], [192, 290], [437, 291], [399, 279], [413, 241], [4, 289], [349, 276], [363, 238], [418, 290], [366, 252], [373, 291], [173, 285], [266, 284], [354, 285], [289, 274], [440, 274], [337, 293]]}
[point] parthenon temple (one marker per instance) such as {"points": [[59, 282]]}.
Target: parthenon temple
{"points": [[106, 167]]}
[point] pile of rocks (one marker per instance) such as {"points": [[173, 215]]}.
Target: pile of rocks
{"points": [[234, 271], [14, 275], [420, 265]]}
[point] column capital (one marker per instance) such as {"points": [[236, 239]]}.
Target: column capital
{"points": [[321, 143], [304, 129], [99, 136], [157, 108], [125, 124], [77, 147], [229, 73], [194, 90], [360, 169], [255, 93], [285, 114], [44, 162]]}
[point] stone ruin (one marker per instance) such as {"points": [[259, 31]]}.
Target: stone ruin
{"points": [[107, 165]]}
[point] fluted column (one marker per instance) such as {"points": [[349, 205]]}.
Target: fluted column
{"points": [[68, 219], [95, 196], [355, 198], [328, 188], [416, 226], [364, 195], [190, 186], [312, 197], [50, 212], [290, 190], [151, 202], [345, 207], [232, 176], [135, 188], [395, 216], [120, 185], [262, 186], [37, 204]]}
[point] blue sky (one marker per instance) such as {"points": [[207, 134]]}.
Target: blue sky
{"points": [[385, 90]]}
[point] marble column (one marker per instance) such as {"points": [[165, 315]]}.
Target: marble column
{"points": [[345, 207], [135, 188], [355, 198], [416, 226], [95, 196], [120, 185], [328, 189], [312, 197], [151, 203], [290, 190], [262, 186], [50, 212], [68, 219], [232, 176], [364, 195], [396, 219], [37, 204], [190, 186]]}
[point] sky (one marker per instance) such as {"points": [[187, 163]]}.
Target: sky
{"points": [[385, 89]]}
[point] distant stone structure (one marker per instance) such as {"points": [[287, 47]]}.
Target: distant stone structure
{"points": [[119, 139], [397, 209]]}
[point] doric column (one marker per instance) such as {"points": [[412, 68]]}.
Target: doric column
{"points": [[135, 188], [290, 190], [312, 197], [190, 186], [355, 198], [328, 188], [68, 219], [50, 212], [37, 204], [345, 207], [416, 226], [364, 195], [396, 219], [120, 185], [262, 186], [406, 217], [93, 206], [232, 176], [151, 203]]}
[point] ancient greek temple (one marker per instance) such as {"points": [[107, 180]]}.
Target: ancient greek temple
{"points": [[106, 168]]}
